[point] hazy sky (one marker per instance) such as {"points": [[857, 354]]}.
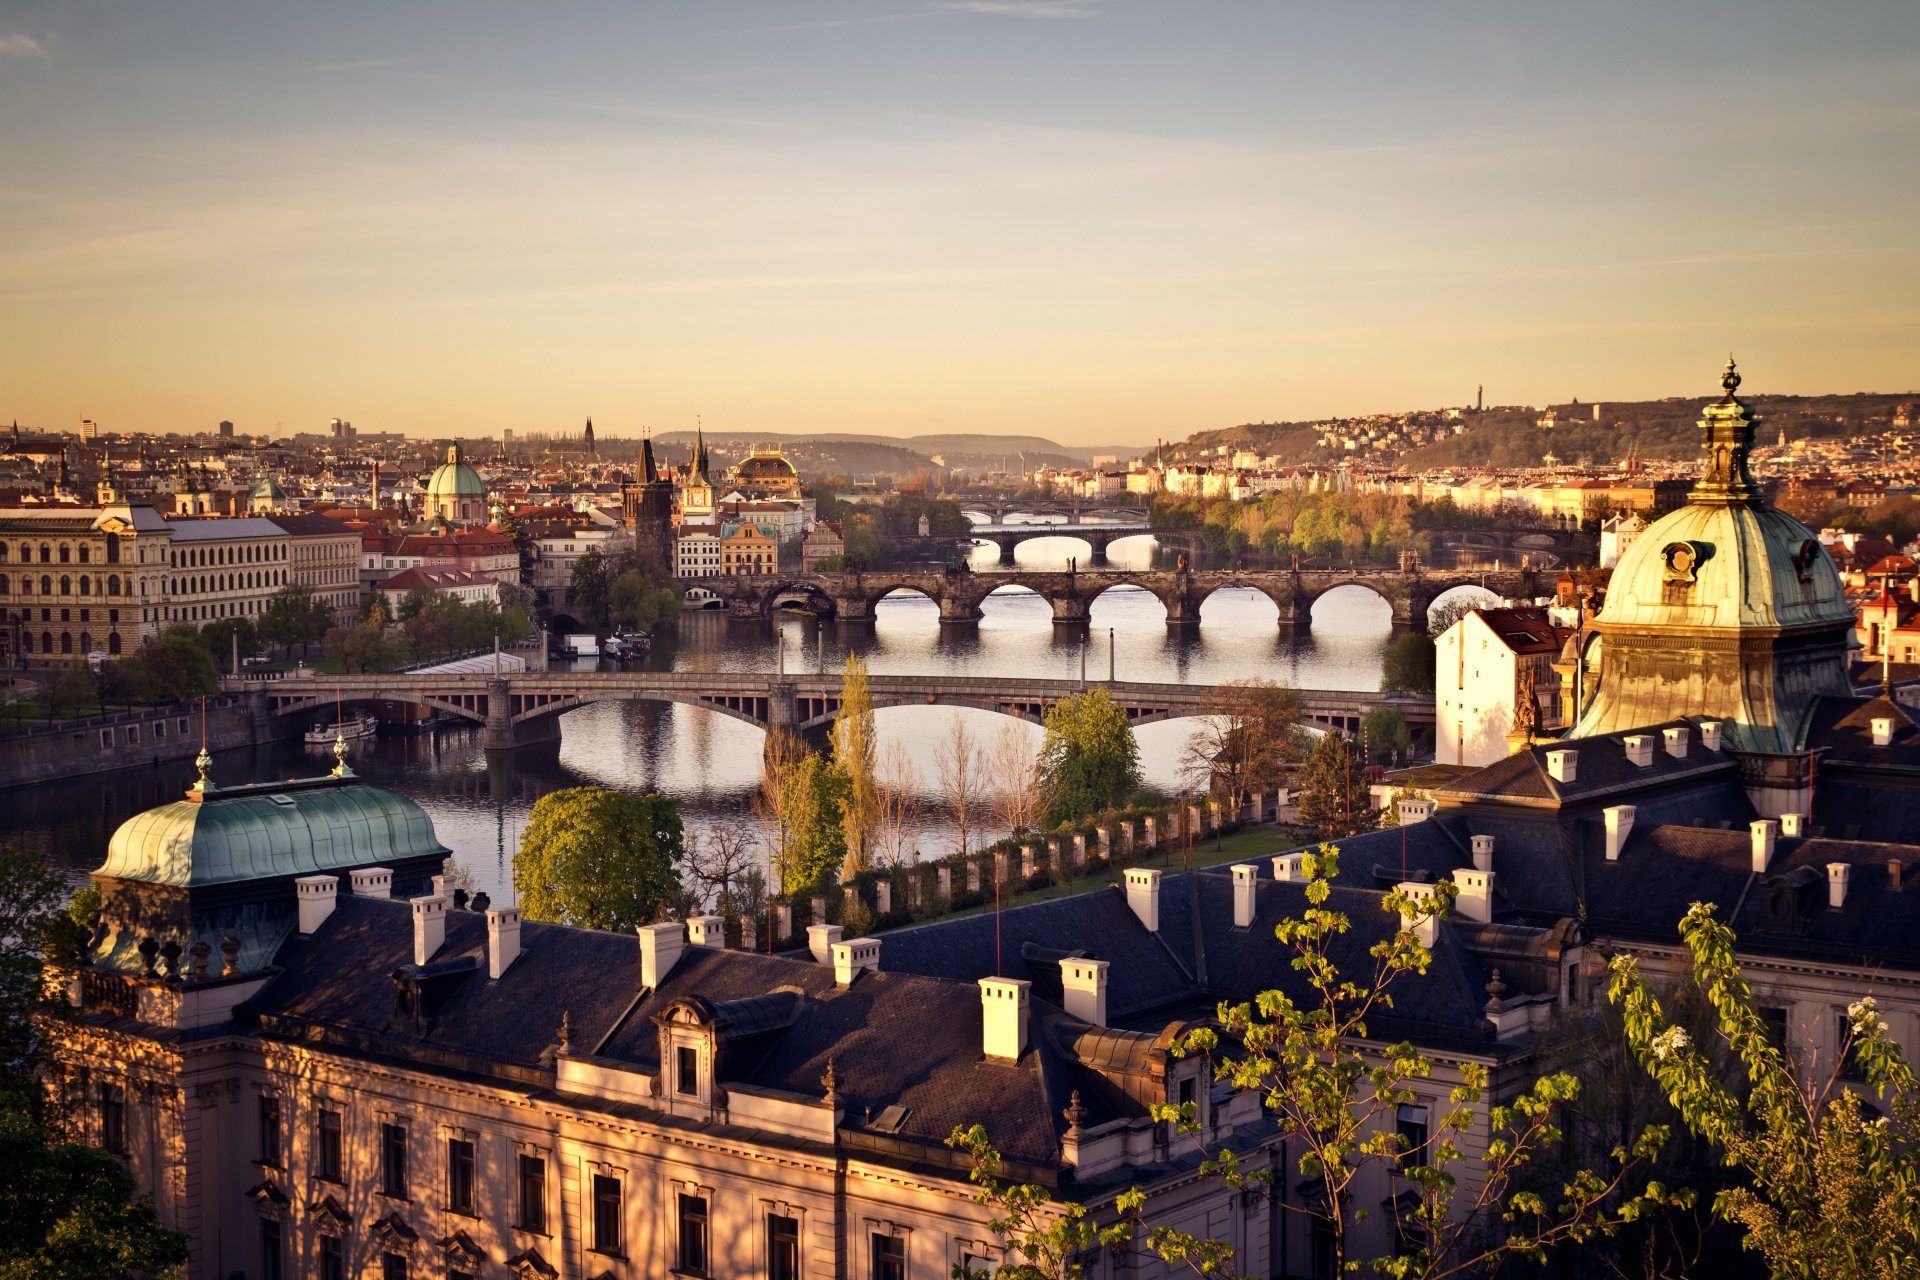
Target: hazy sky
{"points": [[1099, 220]]}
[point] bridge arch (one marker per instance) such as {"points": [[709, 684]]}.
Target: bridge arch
{"points": [[1466, 595], [1350, 596], [776, 595]]}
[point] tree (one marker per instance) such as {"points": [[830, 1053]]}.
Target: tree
{"points": [[599, 859], [180, 662], [589, 587], [1386, 734], [719, 862], [1408, 664], [226, 636], [896, 831], [1828, 1189], [1306, 1053], [71, 691], [637, 601], [1247, 736], [957, 761], [1088, 760], [1334, 796], [293, 616], [799, 808], [31, 897], [1014, 767], [853, 752]]}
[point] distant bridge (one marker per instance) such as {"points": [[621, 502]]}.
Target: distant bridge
{"points": [[851, 597], [1097, 535], [523, 708]]}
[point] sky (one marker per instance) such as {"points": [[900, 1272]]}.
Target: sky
{"points": [[1103, 221]]}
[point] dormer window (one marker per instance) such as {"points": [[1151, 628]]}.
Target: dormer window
{"points": [[687, 1070]]}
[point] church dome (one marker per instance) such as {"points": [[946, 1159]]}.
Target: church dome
{"points": [[455, 479], [763, 467], [1726, 566]]}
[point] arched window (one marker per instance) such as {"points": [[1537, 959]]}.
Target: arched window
{"points": [[113, 584], [46, 585], [66, 642], [66, 585], [113, 643], [66, 554], [84, 553], [86, 585], [86, 642], [113, 548], [3, 551], [46, 554]]}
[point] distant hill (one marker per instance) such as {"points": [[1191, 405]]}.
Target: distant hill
{"points": [[960, 449]]}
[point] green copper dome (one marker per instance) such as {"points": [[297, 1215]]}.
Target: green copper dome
{"points": [[455, 479], [255, 833]]}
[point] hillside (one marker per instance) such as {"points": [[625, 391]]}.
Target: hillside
{"points": [[970, 450]]}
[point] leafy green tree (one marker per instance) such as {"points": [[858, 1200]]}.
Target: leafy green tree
{"points": [[1829, 1189], [590, 586], [1088, 759], [1334, 796], [1409, 664], [639, 601], [294, 616], [220, 638], [1048, 1237], [1386, 733], [71, 692], [31, 898], [368, 645], [600, 859], [181, 664], [854, 753]]}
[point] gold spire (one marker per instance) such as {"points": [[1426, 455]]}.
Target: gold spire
{"points": [[204, 763], [1727, 438], [340, 769]]}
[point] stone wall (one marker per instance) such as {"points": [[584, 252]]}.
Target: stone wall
{"points": [[102, 744]]}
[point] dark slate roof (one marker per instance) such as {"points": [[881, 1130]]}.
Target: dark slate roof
{"points": [[1844, 727], [1602, 768], [1859, 806]]}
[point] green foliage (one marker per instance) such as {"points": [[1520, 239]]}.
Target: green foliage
{"points": [[1386, 733], [71, 692], [294, 616], [369, 644], [854, 751], [1334, 796], [590, 587], [1247, 736], [637, 600], [1275, 527], [1408, 665], [171, 667], [31, 901], [1829, 1190], [801, 808], [223, 636], [1047, 1237], [67, 1212], [1088, 760], [600, 859]]}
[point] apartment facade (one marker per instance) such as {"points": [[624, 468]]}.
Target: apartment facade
{"points": [[325, 557]]}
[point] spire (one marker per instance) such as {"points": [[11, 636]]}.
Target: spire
{"points": [[340, 769], [203, 785], [453, 454], [1727, 438], [649, 471]]}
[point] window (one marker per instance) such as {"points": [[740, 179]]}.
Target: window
{"points": [[1411, 1124], [687, 1077], [693, 1234], [459, 1175], [271, 1262], [113, 1118], [889, 1257], [393, 1160], [1846, 1046], [606, 1214], [783, 1247], [333, 1259], [1322, 1260], [1186, 1091], [1775, 1021], [326, 1153], [533, 1194], [269, 1129], [393, 1266]]}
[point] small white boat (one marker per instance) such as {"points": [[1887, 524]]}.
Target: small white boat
{"points": [[360, 726]]}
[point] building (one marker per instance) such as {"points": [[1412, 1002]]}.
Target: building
{"points": [[1488, 667], [225, 568], [325, 557], [457, 584], [646, 505], [766, 473], [455, 493], [824, 546], [1617, 533], [268, 497], [554, 555], [696, 552], [696, 491], [747, 548], [75, 582]]}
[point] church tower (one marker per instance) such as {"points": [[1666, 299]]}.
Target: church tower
{"points": [[646, 503]]}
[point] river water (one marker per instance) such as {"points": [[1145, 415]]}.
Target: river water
{"points": [[712, 762]]}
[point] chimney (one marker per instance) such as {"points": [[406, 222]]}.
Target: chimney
{"points": [[1474, 901], [1483, 853], [1883, 731], [1838, 873], [1083, 987], [1412, 811], [429, 926], [1246, 887], [316, 896], [1893, 873], [660, 946], [1619, 820], [1677, 740], [1003, 1017], [1287, 867], [1561, 765], [1710, 735], [1143, 895], [850, 958], [440, 887], [1793, 824], [1766, 833], [820, 940], [372, 882], [503, 939], [1424, 923], [1639, 749], [707, 931]]}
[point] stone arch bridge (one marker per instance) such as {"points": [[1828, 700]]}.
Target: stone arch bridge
{"points": [[851, 597], [1097, 536], [523, 709]]}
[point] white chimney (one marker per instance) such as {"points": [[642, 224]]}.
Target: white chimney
{"points": [[1287, 867], [1412, 811], [440, 887], [1143, 895], [1793, 824], [820, 940], [850, 958], [1883, 731], [1639, 749], [707, 931], [1003, 1017], [1619, 820], [1766, 833], [372, 882], [1083, 989], [503, 939], [1710, 735], [1838, 873], [1474, 901], [1677, 741], [1561, 765], [1424, 921], [316, 896], [660, 946], [429, 926], [1246, 887], [1483, 853]]}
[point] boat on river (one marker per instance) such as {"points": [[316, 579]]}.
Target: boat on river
{"points": [[360, 726]]}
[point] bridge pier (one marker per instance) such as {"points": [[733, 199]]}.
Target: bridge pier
{"points": [[1098, 556], [1069, 611], [1006, 551], [1183, 611], [503, 735]]}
